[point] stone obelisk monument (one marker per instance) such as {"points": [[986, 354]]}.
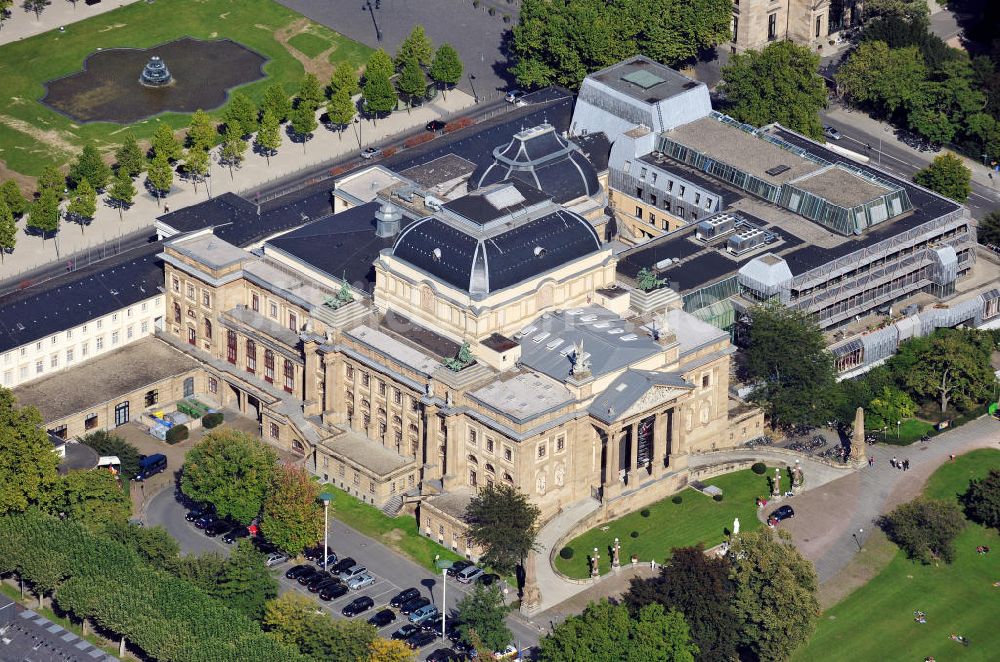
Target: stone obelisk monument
{"points": [[858, 438]]}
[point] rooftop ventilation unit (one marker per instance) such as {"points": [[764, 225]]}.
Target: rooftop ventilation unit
{"points": [[541, 336], [715, 227], [663, 264], [437, 253], [552, 344], [629, 337], [588, 318], [433, 203], [528, 330], [746, 240], [777, 170]]}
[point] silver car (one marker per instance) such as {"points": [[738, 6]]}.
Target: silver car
{"points": [[352, 572], [275, 558], [360, 582], [831, 133]]}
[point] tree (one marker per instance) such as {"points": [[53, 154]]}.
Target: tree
{"points": [[946, 175], [417, 45], [293, 518], [787, 359], [379, 64], [241, 113], [881, 78], [36, 6], [153, 544], [482, 613], [987, 130], [989, 229], [269, 136], [201, 133], [160, 178], [276, 101], [11, 194], [83, 207], [777, 84], [925, 529], [90, 165], [503, 521], [378, 95], [901, 10], [982, 500], [129, 158], [8, 229], [94, 498], [285, 616], [45, 213], [196, 165], [390, 650], [446, 69], [310, 92], [27, 463], [245, 582], [606, 632], [52, 179], [304, 123], [412, 83], [122, 192], [294, 619], [345, 77], [164, 144], [775, 596], [953, 367], [108, 443], [698, 586], [233, 150], [340, 110], [890, 405], [230, 470]]}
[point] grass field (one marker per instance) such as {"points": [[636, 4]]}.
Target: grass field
{"points": [[399, 533], [876, 621], [696, 519], [32, 135]]}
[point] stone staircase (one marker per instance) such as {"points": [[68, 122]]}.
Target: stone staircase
{"points": [[393, 505]]}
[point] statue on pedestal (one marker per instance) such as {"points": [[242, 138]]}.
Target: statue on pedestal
{"points": [[776, 491], [531, 597], [595, 571], [797, 476], [736, 526], [616, 561]]}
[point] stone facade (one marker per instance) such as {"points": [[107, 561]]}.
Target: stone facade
{"points": [[756, 23]]}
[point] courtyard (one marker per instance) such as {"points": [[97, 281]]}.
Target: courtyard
{"points": [[698, 518], [33, 135]]}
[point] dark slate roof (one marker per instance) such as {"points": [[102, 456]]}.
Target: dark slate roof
{"points": [[78, 297], [543, 159], [726, 195], [483, 209], [460, 254], [78, 457], [30, 636], [339, 245], [628, 388], [596, 147]]}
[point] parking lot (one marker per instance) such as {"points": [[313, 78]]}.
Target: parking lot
{"points": [[392, 572]]}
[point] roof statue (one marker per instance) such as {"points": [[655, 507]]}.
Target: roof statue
{"points": [[581, 361]]}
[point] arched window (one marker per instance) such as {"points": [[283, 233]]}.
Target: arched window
{"points": [[268, 366], [507, 477], [473, 459], [489, 468], [365, 404], [397, 422]]}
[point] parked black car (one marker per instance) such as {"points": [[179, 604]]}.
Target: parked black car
{"points": [[357, 605], [234, 534], [315, 553], [416, 603], [383, 618], [326, 583], [487, 579], [420, 639], [296, 570], [217, 528], [199, 511], [435, 125], [443, 655], [453, 632], [404, 596], [333, 591], [342, 565], [205, 521], [308, 575], [318, 578], [457, 567], [405, 632]]}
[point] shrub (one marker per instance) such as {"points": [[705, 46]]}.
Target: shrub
{"points": [[506, 18], [177, 434], [717, 497], [644, 512], [982, 500], [566, 553], [634, 534], [388, 151], [106, 443], [925, 529], [759, 468], [677, 498], [492, 11], [212, 420]]}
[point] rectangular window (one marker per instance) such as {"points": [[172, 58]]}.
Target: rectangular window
{"points": [[638, 212], [145, 305], [652, 219], [231, 346], [268, 366], [350, 372], [490, 445], [24, 372], [652, 199], [293, 322], [213, 385], [54, 340], [114, 338], [175, 284], [381, 388], [397, 397], [69, 355], [508, 454], [736, 26], [129, 332], [365, 379], [84, 348], [560, 444], [541, 450], [39, 367], [273, 310], [670, 185], [8, 377], [99, 343], [251, 356], [100, 324], [772, 27], [289, 376], [473, 438], [642, 173], [54, 361], [274, 430], [680, 191], [190, 291], [371, 487], [697, 198], [90, 422], [152, 397], [255, 302], [706, 380], [638, 192]]}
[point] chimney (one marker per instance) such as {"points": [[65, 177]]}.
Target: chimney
{"points": [[388, 219]]}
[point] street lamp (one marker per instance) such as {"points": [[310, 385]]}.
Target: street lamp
{"points": [[475, 96], [898, 423], [326, 498], [444, 598], [857, 539]]}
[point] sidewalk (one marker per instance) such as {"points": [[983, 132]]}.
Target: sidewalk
{"points": [[60, 13], [326, 145]]}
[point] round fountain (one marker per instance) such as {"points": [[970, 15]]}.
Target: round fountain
{"points": [[155, 73]]}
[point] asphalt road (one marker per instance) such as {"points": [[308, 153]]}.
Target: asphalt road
{"points": [[393, 572], [891, 154]]}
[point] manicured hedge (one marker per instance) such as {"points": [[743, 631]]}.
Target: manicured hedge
{"points": [[212, 420], [177, 434]]}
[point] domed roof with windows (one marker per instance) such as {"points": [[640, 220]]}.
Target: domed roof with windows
{"points": [[496, 237], [542, 158]]}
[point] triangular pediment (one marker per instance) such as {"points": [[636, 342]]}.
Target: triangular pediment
{"points": [[654, 397]]}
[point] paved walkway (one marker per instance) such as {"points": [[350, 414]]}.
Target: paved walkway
{"points": [[553, 587], [59, 13], [814, 473], [326, 145], [830, 517]]}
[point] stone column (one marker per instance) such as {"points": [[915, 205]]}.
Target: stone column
{"points": [[633, 474], [312, 404], [452, 446], [858, 437], [611, 463], [531, 597], [660, 454]]}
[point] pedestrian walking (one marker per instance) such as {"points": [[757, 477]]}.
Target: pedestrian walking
{"points": [[892, 462], [952, 457], [871, 460], [906, 465]]}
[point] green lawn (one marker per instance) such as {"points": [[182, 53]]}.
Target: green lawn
{"points": [[696, 519], [399, 533], [26, 65], [876, 621], [910, 431], [309, 44]]}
